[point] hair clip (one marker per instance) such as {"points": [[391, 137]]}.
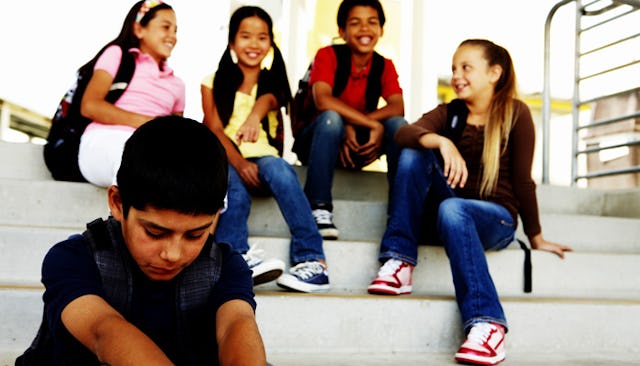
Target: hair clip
{"points": [[144, 9]]}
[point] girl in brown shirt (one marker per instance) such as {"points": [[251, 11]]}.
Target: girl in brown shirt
{"points": [[473, 171]]}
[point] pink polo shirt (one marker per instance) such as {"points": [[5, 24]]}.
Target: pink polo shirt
{"points": [[151, 92]]}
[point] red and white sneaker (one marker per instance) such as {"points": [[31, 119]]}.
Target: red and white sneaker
{"points": [[394, 278], [484, 345]]}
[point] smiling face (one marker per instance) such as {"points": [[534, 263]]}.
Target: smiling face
{"points": [[159, 36], [252, 42], [161, 241], [362, 29], [472, 76]]}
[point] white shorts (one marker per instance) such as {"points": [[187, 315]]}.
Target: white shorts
{"points": [[101, 151]]}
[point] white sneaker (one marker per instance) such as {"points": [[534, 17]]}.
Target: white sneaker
{"points": [[264, 270], [326, 228]]}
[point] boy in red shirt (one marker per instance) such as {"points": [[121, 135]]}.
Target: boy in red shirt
{"points": [[350, 130]]}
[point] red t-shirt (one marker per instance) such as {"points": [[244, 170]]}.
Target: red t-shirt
{"points": [[324, 68]]}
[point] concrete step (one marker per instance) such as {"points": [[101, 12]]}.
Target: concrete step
{"points": [[23, 161], [583, 310], [352, 266], [411, 326], [71, 205]]}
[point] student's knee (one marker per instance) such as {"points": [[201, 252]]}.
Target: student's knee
{"points": [[411, 159], [392, 124], [275, 170], [450, 213], [329, 123]]}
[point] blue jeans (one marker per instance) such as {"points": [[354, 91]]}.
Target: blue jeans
{"points": [[318, 147], [279, 180], [466, 228]]}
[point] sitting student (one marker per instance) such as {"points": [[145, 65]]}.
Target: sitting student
{"points": [[149, 286], [242, 107], [474, 173], [149, 33], [351, 131]]}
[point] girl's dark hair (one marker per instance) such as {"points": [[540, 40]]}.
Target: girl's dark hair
{"points": [[347, 5], [229, 77], [173, 163], [127, 39]]}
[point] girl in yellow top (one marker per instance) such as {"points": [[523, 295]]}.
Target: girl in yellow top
{"points": [[241, 104]]}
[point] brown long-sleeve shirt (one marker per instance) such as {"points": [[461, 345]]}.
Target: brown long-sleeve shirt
{"points": [[516, 189]]}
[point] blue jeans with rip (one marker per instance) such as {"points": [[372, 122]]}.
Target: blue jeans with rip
{"points": [[279, 180], [466, 227], [322, 141]]}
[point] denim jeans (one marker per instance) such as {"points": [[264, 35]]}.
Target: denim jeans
{"points": [[318, 147], [279, 180], [466, 228]]}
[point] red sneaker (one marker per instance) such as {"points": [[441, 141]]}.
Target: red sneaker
{"points": [[394, 278], [484, 345]]}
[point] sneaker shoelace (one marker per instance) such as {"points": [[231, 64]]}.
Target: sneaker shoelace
{"points": [[479, 333], [390, 267], [307, 270], [254, 255], [322, 216]]}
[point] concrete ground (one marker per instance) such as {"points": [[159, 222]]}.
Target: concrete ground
{"points": [[438, 359]]}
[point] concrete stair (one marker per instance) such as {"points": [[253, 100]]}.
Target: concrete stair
{"points": [[584, 310]]}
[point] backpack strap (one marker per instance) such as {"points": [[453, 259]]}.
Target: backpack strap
{"points": [[107, 245], [123, 77], [374, 82], [343, 69], [528, 286], [457, 113]]}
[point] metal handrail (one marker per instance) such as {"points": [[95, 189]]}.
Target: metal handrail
{"points": [[577, 102]]}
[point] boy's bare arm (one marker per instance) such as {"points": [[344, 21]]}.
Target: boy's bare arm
{"points": [[239, 340], [115, 341], [393, 108]]}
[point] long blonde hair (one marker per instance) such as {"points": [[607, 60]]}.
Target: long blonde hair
{"points": [[501, 113]]}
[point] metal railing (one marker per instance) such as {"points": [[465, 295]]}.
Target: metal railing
{"points": [[606, 67]]}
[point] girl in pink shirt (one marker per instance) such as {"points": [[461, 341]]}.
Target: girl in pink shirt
{"points": [[149, 33]]}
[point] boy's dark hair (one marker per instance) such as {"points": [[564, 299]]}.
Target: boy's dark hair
{"points": [[173, 163], [347, 5]]}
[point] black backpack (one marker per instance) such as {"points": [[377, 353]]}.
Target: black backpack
{"points": [[303, 108], [67, 124]]}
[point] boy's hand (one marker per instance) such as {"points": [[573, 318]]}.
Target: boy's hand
{"points": [[349, 146], [350, 138], [345, 156], [371, 150]]}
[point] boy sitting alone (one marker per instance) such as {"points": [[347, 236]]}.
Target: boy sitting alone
{"points": [[148, 286]]}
